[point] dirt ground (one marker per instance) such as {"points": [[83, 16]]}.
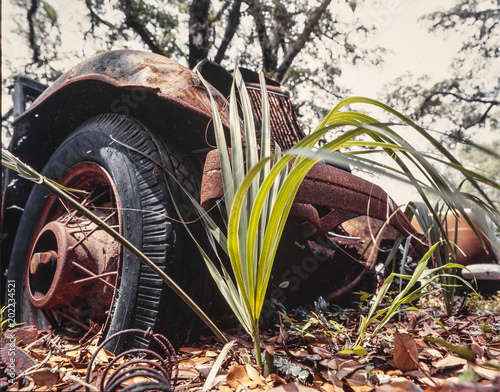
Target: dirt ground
{"points": [[311, 349]]}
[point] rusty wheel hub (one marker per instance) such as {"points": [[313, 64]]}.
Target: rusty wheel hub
{"points": [[69, 262], [72, 269]]}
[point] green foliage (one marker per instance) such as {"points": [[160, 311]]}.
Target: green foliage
{"points": [[43, 33], [478, 19], [258, 209], [290, 369], [434, 228], [258, 197], [478, 304], [463, 352], [160, 18], [277, 34], [435, 224], [418, 282], [6, 322], [482, 158], [315, 321]]}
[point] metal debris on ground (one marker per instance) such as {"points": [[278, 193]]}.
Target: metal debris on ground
{"points": [[154, 368]]}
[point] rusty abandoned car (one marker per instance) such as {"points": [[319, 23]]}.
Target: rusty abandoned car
{"points": [[127, 127]]}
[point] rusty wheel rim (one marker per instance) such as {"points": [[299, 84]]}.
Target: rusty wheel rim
{"points": [[72, 268]]}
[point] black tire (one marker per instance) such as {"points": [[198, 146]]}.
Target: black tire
{"points": [[134, 159]]}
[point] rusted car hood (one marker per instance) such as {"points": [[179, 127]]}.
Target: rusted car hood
{"points": [[144, 71]]}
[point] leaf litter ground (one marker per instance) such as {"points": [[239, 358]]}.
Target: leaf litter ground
{"points": [[312, 351]]}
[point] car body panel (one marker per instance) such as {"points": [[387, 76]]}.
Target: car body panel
{"points": [[143, 71]]}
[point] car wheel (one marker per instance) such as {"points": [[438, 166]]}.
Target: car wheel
{"points": [[72, 275]]}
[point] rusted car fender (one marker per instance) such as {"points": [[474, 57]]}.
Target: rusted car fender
{"points": [[478, 246], [325, 188], [157, 91], [152, 88]]}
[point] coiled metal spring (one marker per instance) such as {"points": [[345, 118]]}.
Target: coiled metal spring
{"points": [[151, 369]]}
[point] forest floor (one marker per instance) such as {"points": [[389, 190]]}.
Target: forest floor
{"points": [[313, 349]]}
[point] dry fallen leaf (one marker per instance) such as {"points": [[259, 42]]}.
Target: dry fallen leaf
{"points": [[201, 360], [292, 387], [136, 380], [357, 386], [25, 334], [45, 378], [216, 367], [431, 353], [238, 376], [428, 331], [186, 364], [450, 361], [324, 386], [348, 368], [254, 374], [329, 363], [405, 352], [190, 350], [477, 351], [102, 357], [274, 379], [487, 373], [399, 386], [321, 351]]}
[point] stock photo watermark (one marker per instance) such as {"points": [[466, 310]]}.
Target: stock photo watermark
{"points": [[9, 337]]}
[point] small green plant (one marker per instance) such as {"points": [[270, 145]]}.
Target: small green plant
{"points": [[416, 288], [476, 303], [6, 322], [318, 322], [435, 228]]}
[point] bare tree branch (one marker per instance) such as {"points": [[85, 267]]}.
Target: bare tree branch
{"points": [[481, 119], [277, 35], [95, 17], [233, 21], [31, 31], [256, 9], [220, 12], [302, 40], [133, 21], [464, 98]]}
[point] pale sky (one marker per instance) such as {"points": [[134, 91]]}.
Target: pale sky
{"points": [[411, 48]]}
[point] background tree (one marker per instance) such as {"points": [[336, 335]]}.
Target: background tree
{"points": [[305, 44], [276, 35], [468, 101]]}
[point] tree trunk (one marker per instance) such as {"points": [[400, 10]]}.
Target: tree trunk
{"points": [[198, 31], [269, 61], [32, 39], [302, 40]]}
